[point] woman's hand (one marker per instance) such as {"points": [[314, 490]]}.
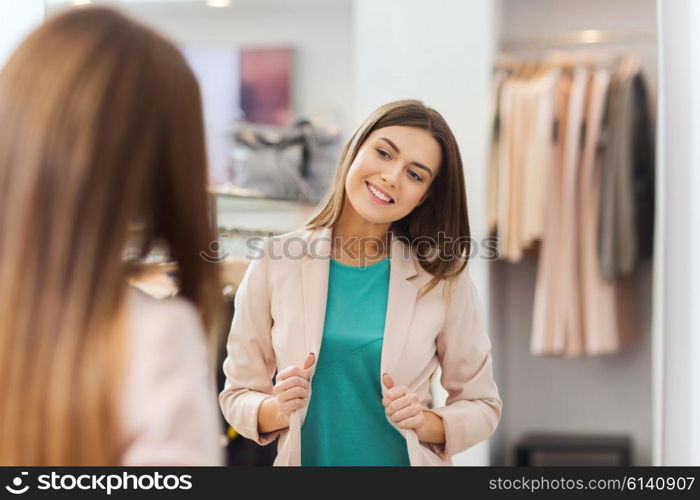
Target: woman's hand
{"points": [[291, 389], [402, 406], [290, 393]]}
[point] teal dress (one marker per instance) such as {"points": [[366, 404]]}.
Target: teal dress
{"points": [[345, 422]]}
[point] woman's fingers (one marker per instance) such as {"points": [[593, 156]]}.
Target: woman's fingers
{"points": [[393, 394], [292, 399], [400, 408], [292, 371], [293, 393], [399, 403], [292, 385], [299, 371], [404, 413], [309, 361], [293, 404], [293, 381], [413, 422]]}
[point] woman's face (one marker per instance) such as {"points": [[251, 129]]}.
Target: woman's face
{"points": [[392, 172]]}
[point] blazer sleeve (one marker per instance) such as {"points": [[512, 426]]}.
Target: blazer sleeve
{"points": [[250, 362], [473, 407]]}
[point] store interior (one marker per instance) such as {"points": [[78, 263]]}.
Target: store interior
{"points": [[285, 83]]}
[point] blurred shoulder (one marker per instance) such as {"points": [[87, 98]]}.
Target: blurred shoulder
{"points": [[155, 322], [144, 308]]}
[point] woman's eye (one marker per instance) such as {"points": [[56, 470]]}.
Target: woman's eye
{"points": [[383, 153], [414, 175]]}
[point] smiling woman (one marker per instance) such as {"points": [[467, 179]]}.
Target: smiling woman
{"points": [[368, 338], [402, 172]]}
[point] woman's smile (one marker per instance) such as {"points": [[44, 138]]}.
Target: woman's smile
{"points": [[378, 195]]}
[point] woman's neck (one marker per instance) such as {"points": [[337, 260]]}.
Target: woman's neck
{"points": [[356, 239]]}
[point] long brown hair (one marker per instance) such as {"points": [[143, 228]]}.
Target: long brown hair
{"points": [[445, 208], [100, 127]]}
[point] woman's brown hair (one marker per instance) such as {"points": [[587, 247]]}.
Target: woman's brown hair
{"points": [[100, 128], [444, 210]]}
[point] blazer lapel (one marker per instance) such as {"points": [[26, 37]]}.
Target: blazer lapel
{"points": [[399, 314], [314, 277]]}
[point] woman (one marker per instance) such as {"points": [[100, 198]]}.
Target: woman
{"points": [[101, 129], [364, 304]]}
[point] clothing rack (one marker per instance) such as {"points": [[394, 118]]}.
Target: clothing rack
{"points": [[577, 38]]}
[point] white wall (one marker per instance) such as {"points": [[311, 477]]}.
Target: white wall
{"points": [[607, 394], [678, 301], [437, 51], [17, 19], [320, 32], [218, 72]]}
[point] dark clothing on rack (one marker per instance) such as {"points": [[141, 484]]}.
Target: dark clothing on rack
{"points": [[626, 223]]}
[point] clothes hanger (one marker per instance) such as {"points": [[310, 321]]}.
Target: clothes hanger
{"points": [[630, 65]]}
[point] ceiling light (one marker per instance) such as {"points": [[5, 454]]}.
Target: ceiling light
{"points": [[218, 3]]}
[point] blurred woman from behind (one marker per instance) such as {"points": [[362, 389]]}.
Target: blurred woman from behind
{"points": [[101, 129]]}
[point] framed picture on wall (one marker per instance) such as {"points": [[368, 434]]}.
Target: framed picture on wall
{"points": [[265, 92]]}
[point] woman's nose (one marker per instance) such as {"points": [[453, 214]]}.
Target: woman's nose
{"points": [[390, 175]]}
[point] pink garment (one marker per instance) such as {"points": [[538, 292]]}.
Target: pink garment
{"points": [[492, 175], [598, 297], [549, 189], [547, 319], [570, 339], [507, 173], [167, 407], [538, 156], [521, 163]]}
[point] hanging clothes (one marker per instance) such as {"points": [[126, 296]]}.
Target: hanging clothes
{"points": [[557, 287], [572, 167], [570, 330], [507, 155], [599, 298], [547, 312], [492, 173], [627, 202], [538, 155], [519, 161]]}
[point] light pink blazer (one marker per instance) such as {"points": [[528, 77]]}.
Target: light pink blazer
{"points": [[279, 316], [167, 403]]}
